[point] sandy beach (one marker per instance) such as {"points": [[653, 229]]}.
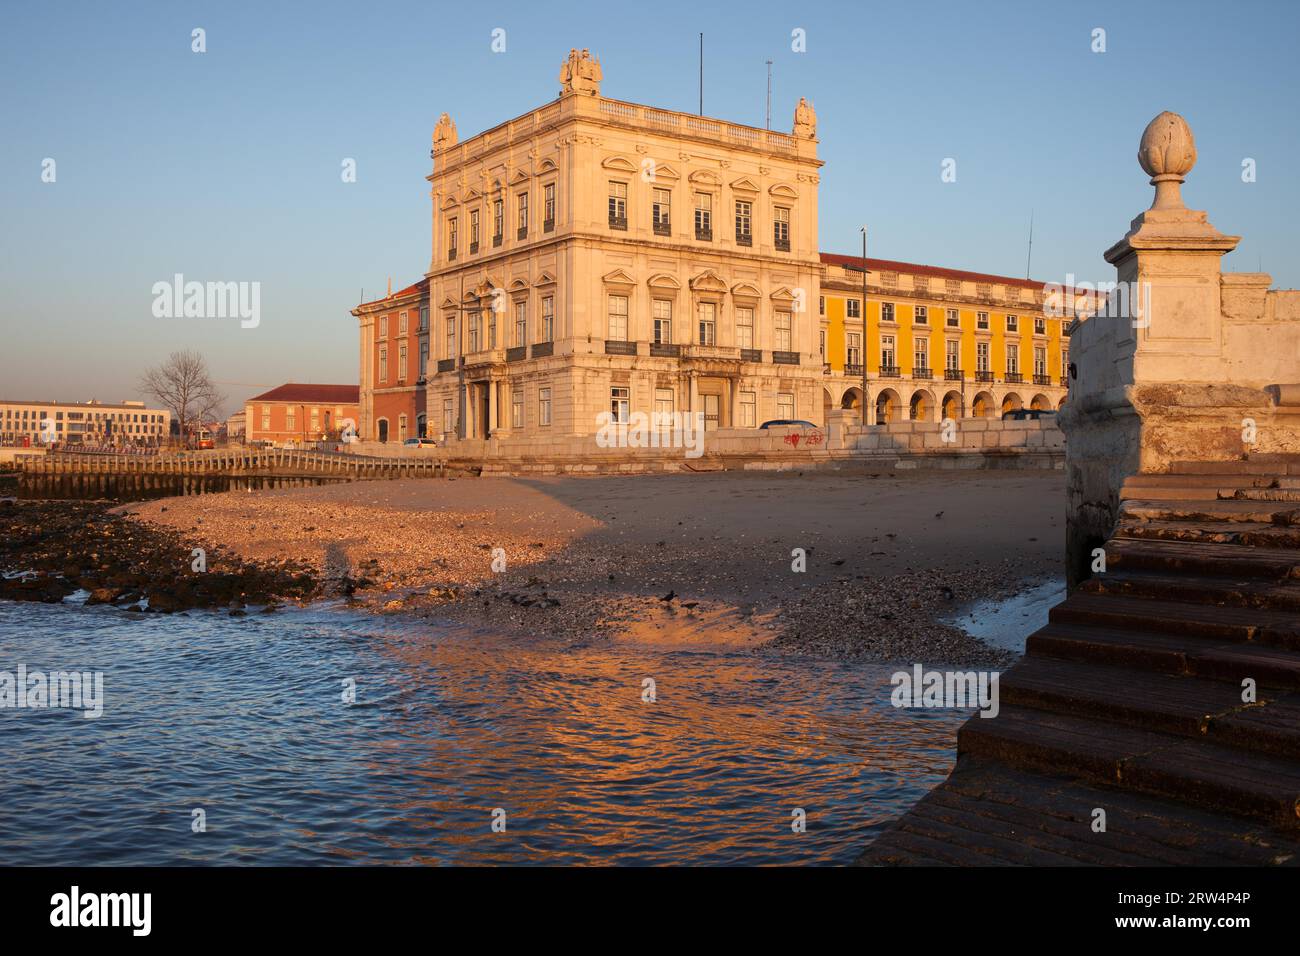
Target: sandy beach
{"points": [[672, 559]]}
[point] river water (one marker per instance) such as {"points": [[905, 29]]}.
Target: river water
{"points": [[243, 719]]}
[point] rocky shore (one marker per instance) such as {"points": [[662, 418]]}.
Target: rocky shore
{"points": [[50, 550], [681, 560]]}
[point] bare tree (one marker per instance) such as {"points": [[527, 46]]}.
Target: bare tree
{"points": [[183, 385]]}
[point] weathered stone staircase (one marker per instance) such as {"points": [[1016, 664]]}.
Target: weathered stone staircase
{"points": [[1131, 699]]}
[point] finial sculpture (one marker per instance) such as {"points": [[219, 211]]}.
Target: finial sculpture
{"points": [[805, 120], [444, 133], [581, 73], [1167, 154]]}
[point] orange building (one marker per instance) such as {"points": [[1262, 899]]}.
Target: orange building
{"points": [[296, 414], [394, 363]]}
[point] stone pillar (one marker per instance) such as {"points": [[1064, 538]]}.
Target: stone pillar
{"points": [[1175, 362]]}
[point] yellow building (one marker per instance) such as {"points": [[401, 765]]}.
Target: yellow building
{"points": [[940, 343]]}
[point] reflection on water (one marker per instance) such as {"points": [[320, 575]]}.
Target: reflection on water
{"points": [[243, 718], [1007, 622]]}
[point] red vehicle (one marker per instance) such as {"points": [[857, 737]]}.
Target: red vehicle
{"points": [[205, 439]]}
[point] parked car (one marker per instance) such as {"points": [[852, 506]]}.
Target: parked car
{"points": [[420, 443], [1027, 414], [780, 422]]}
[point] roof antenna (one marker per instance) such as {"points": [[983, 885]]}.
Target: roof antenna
{"points": [[1030, 256], [701, 74], [769, 94]]}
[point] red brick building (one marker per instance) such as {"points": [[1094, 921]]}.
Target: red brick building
{"points": [[295, 414], [394, 362]]}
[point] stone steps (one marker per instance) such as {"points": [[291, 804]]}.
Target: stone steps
{"points": [[1216, 510], [1201, 589], [1196, 558], [1244, 533], [1276, 628], [1206, 775]]}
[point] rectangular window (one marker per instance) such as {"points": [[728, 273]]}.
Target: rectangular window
{"points": [[887, 356], [784, 326], [664, 407], [401, 363], [472, 340], [981, 320], [1013, 324], [1040, 360], [401, 323], [662, 208], [704, 216], [821, 305], [491, 341], [921, 315], [548, 318], [618, 318], [853, 308], [952, 355], [886, 312], [424, 358], [383, 363], [522, 205], [383, 326], [982, 356], [748, 409], [744, 222], [291, 419], [424, 318], [920, 353], [708, 315], [785, 405], [448, 416], [853, 352], [620, 404], [517, 408], [1013, 359], [473, 230], [544, 406], [617, 205], [744, 327], [498, 220], [1040, 325], [521, 322], [781, 228], [548, 207], [451, 236], [449, 323], [952, 319], [821, 344], [663, 316]]}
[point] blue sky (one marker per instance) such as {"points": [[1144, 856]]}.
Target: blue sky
{"points": [[225, 165]]}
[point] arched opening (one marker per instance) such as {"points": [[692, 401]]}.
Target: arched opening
{"points": [[852, 398], [1011, 402], [921, 406], [1041, 402], [1060, 404], [982, 406], [952, 405], [382, 426], [888, 405], [422, 426], [827, 404]]}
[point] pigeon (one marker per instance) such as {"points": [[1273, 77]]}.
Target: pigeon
{"points": [[669, 596]]}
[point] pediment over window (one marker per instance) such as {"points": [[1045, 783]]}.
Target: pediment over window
{"points": [[744, 290], [471, 194], [519, 285], [783, 190], [451, 202], [708, 281], [783, 294], [619, 164], [703, 177], [662, 280], [665, 172], [547, 165], [448, 303], [519, 177], [743, 185], [544, 278], [618, 277]]}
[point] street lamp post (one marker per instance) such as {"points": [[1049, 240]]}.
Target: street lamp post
{"points": [[862, 357]]}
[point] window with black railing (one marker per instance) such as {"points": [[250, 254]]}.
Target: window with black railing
{"points": [[617, 205], [781, 229], [744, 222], [660, 212], [704, 217]]}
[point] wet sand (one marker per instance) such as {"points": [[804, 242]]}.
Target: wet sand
{"points": [[670, 559]]}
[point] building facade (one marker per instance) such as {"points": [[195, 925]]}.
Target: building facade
{"points": [[595, 256], [126, 424], [293, 414], [594, 259], [942, 343], [394, 363]]}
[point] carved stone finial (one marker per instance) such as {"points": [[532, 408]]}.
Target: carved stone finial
{"points": [[805, 120], [581, 73], [1167, 154], [444, 133]]}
